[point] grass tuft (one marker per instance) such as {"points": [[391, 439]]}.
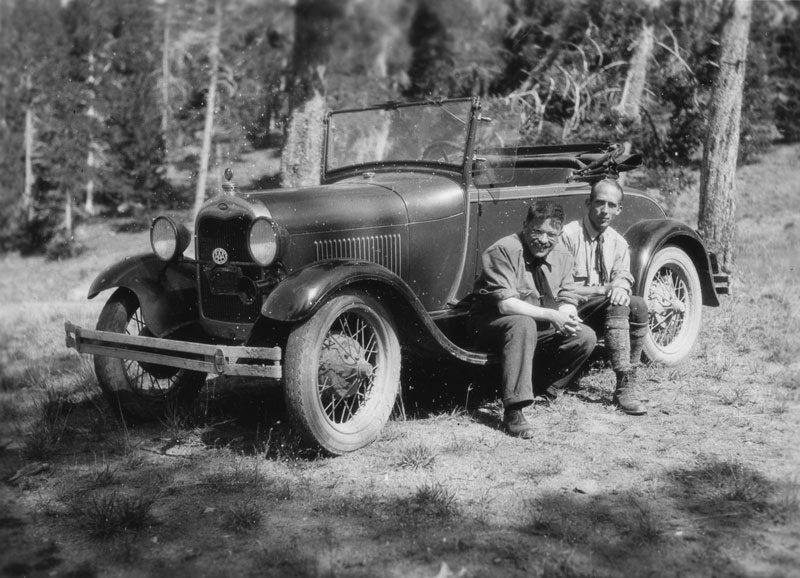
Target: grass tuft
{"points": [[458, 445], [104, 477], [50, 427], [648, 525], [107, 515], [416, 456], [435, 499], [243, 516], [725, 480]]}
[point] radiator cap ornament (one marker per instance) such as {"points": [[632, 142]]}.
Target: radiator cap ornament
{"points": [[219, 256]]}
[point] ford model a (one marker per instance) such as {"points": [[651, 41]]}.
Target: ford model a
{"points": [[316, 289]]}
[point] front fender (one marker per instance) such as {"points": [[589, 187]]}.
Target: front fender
{"points": [[645, 238], [299, 295], [167, 292], [302, 292]]}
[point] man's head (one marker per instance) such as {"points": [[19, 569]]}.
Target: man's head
{"points": [[542, 227], [604, 203]]}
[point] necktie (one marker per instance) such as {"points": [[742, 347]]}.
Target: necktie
{"points": [[546, 298], [600, 262]]}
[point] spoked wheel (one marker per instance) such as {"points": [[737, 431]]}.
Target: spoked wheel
{"points": [[342, 373], [673, 294], [140, 391]]}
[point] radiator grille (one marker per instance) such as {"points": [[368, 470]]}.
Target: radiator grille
{"points": [[230, 235], [381, 249]]}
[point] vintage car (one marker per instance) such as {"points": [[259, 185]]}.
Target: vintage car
{"points": [[319, 289]]}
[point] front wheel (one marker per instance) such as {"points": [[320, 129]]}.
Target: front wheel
{"points": [[342, 373], [673, 294], [139, 391]]}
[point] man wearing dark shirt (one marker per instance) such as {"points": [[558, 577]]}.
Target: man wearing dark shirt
{"points": [[525, 297]]}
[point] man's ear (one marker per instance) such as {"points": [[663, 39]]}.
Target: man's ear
{"points": [[588, 201], [619, 209]]}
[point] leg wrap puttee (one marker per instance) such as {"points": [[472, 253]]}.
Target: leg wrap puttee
{"points": [[638, 333], [618, 343]]}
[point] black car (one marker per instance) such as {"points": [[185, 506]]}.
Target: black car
{"points": [[317, 288]]}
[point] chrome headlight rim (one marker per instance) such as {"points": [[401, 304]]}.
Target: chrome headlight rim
{"points": [[261, 253], [168, 239]]}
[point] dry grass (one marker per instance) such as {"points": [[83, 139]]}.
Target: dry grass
{"points": [[416, 456], [227, 490]]}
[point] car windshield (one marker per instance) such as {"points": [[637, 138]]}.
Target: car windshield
{"points": [[433, 132]]}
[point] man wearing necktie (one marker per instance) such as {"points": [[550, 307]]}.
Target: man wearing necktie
{"points": [[525, 310], [602, 273]]}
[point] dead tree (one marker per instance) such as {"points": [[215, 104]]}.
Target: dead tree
{"points": [[211, 103]]}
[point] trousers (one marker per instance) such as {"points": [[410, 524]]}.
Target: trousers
{"points": [[531, 360]]}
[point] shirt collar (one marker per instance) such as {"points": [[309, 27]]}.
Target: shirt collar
{"points": [[589, 229]]}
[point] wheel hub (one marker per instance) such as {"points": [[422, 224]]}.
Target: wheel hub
{"points": [[343, 367]]}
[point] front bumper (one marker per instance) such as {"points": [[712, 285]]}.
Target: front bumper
{"points": [[207, 358]]}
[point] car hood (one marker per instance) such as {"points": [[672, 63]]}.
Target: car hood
{"points": [[363, 202]]}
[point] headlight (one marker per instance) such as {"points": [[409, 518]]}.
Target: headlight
{"points": [[168, 238], [264, 241]]}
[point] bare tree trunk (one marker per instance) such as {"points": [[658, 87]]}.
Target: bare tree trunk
{"points": [[301, 157], [629, 107], [631, 101], [27, 192], [68, 216], [91, 82], [301, 160], [211, 103], [165, 73], [718, 170]]}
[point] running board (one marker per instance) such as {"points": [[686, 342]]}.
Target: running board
{"points": [[203, 357]]}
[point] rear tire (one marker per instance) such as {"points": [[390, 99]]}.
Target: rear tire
{"points": [[140, 392], [342, 373], [674, 298]]}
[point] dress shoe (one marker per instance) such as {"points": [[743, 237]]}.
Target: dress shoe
{"points": [[516, 425]]}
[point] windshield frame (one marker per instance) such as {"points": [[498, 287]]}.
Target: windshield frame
{"points": [[332, 170]]}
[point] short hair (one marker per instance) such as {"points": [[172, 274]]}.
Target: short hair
{"points": [[607, 182], [542, 210]]}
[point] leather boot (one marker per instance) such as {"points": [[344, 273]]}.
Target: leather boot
{"points": [[516, 425], [637, 335], [625, 398]]}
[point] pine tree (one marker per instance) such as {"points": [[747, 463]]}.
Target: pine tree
{"points": [[718, 169]]}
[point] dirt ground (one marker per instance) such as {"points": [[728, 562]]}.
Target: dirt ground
{"points": [[707, 484]]}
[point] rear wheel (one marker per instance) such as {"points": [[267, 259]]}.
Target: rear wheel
{"points": [[140, 391], [673, 294], [342, 373]]}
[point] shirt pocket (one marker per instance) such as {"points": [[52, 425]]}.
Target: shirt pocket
{"points": [[579, 268], [527, 288]]}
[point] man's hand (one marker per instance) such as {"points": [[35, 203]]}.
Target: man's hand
{"points": [[565, 321], [618, 296]]}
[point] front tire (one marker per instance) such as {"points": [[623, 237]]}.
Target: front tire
{"points": [[140, 391], [674, 297], [342, 373]]}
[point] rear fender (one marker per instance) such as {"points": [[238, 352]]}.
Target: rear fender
{"points": [[167, 292], [645, 238]]}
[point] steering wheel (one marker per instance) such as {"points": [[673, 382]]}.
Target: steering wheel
{"points": [[443, 151]]}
